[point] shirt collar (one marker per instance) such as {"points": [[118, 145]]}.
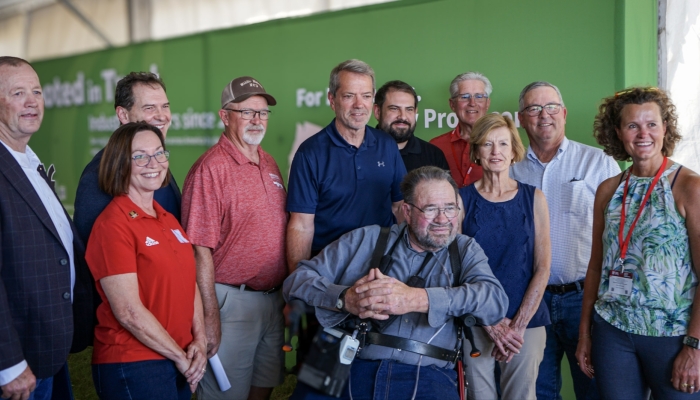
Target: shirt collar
{"points": [[134, 212], [236, 154], [562, 148], [412, 146], [370, 139], [28, 159], [456, 134]]}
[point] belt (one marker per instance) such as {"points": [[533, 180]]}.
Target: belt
{"points": [[566, 288], [247, 288], [413, 346]]}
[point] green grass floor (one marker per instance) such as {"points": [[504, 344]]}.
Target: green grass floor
{"points": [[83, 389]]}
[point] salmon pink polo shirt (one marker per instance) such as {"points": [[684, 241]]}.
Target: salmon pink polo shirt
{"points": [[237, 208]]}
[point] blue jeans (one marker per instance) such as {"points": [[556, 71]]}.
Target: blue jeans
{"points": [[388, 380], [147, 380], [62, 388], [627, 366], [562, 338]]}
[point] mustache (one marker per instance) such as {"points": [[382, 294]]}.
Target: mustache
{"points": [[401, 121], [446, 224], [258, 127]]}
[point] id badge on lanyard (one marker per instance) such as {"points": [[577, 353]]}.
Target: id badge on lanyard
{"points": [[620, 281]]}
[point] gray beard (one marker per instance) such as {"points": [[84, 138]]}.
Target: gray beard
{"points": [[253, 139]]}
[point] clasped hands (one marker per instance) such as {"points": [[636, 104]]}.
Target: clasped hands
{"points": [[507, 338], [378, 296], [194, 365]]}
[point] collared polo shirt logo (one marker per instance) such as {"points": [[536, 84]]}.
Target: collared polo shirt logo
{"points": [[276, 181], [380, 163], [151, 242]]}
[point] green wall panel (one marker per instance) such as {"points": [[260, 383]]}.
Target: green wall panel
{"points": [[588, 48]]}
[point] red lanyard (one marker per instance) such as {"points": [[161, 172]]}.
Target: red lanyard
{"points": [[458, 161], [625, 243]]}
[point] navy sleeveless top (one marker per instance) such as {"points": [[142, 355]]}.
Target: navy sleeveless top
{"points": [[506, 233]]}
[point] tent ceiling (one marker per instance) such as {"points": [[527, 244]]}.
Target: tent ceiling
{"points": [[41, 29]]}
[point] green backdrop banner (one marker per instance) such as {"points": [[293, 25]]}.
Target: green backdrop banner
{"points": [[573, 44]]}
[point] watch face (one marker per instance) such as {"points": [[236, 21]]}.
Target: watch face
{"points": [[692, 342]]}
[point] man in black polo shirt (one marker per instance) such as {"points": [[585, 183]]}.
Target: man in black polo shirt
{"points": [[395, 108]]}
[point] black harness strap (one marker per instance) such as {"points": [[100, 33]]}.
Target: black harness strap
{"points": [[413, 346], [379, 248]]}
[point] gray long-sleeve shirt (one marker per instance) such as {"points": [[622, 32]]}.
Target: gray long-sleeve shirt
{"points": [[320, 280]]}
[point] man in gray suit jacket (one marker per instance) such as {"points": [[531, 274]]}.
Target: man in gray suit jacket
{"points": [[45, 287]]}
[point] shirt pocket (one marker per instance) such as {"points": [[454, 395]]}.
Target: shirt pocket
{"points": [[577, 198]]}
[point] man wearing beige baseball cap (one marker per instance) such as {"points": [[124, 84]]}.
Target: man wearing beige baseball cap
{"points": [[233, 209]]}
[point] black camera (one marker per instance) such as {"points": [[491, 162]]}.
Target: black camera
{"points": [[327, 365]]}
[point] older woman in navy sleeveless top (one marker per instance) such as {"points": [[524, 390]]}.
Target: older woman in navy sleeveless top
{"points": [[510, 220]]}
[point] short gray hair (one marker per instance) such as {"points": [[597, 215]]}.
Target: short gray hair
{"points": [[533, 86], [423, 174], [355, 66], [469, 76]]}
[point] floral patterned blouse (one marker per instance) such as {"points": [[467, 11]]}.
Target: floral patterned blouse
{"points": [[658, 257]]}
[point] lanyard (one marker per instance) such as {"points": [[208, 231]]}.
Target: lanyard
{"points": [[458, 161], [625, 243]]}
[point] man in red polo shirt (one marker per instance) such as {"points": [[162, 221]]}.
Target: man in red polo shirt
{"points": [[469, 99], [233, 209]]}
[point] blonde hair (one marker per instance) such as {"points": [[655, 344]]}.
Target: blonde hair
{"points": [[484, 126]]}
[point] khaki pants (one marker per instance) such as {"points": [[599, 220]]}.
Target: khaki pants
{"points": [[252, 335], [518, 377]]}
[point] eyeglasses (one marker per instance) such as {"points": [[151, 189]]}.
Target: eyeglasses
{"points": [[143, 159], [478, 97], [250, 114], [433, 212], [551, 108]]}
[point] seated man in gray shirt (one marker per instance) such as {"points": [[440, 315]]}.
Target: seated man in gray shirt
{"points": [[341, 286]]}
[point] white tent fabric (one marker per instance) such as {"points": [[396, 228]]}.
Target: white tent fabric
{"points": [[682, 46], [41, 29]]}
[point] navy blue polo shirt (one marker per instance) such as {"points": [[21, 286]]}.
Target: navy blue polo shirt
{"points": [[346, 187]]}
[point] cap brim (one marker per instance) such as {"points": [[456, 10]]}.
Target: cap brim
{"points": [[270, 100]]}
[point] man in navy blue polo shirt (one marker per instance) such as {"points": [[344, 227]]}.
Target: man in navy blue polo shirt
{"points": [[346, 176]]}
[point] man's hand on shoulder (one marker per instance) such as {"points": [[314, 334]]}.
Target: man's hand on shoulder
{"points": [[21, 387], [378, 296]]}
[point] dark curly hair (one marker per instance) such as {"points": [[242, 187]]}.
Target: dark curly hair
{"points": [[610, 115]]}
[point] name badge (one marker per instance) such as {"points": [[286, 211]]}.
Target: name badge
{"points": [[620, 283]]}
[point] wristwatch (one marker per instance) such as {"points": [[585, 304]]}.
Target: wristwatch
{"points": [[691, 342], [340, 304]]}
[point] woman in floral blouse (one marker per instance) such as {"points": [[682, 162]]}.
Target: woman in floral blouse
{"points": [[640, 331]]}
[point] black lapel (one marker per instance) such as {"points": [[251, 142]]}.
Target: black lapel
{"points": [[18, 179]]}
